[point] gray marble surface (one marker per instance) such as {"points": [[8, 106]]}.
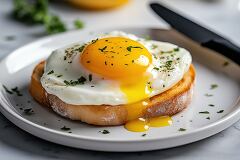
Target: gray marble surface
{"points": [[222, 16]]}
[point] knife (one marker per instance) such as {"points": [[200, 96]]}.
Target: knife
{"points": [[202, 35]]}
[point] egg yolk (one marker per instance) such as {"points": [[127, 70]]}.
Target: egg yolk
{"points": [[123, 60], [116, 58]]}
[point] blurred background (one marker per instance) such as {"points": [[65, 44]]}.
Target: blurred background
{"points": [[222, 16], [24, 21]]}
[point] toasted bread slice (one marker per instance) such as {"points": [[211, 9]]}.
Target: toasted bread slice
{"points": [[168, 103]]}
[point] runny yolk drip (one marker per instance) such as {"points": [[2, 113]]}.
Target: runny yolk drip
{"points": [[143, 124], [122, 60], [125, 61]]}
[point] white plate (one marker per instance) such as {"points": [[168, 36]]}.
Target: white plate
{"points": [[15, 70]]}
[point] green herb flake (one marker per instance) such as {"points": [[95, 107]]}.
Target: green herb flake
{"points": [[94, 41], [204, 112], [80, 81], [156, 68], [7, 90], [28, 111], [225, 64], [102, 49], [104, 131], [176, 49], [182, 129], [10, 38], [78, 24], [59, 75], [129, 48], [143, 135], [208, 95], [154, 46], [53, 24], [16, 91], [208, 118], [50, 72], [211, 105], [90, 77], [64, 128], [221, 111], [213, 86]]}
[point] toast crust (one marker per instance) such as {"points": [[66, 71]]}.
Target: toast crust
{"points": [[168, 103]]}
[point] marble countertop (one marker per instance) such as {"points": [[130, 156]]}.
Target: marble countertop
{"points": [[222, 16]]}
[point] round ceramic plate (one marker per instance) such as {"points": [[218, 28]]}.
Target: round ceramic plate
{"points": [[215, 105]]}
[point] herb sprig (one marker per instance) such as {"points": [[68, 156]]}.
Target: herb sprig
{"points": [[38, 13], [79, 81]]}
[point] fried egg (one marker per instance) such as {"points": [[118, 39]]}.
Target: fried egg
{"points": [[114, 69]]}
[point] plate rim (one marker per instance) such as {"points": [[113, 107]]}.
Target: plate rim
{"points": [[232, 116]]}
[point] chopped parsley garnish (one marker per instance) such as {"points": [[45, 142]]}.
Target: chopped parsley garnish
{"points": [[94, 41], [7, 90], [225, 64], [211, 105], [50, 72], [28, 111], [168, 65], [37, 12], [221, 111], [64, 128], [213, 86], [166, 51], [208, 118], [16, 91], [102, 49], [204, 112], [90, 77], [53, 24], [80, 81], [78, 24], [59, 75], [143, 135], [154, 46], [104, 131], [176, 49], [208, 95], [129, 48], [10, 38], [30, 13], [182, 129], [156, 68]]}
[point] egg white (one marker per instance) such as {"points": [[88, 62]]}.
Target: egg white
{"points": [[100, 91]]}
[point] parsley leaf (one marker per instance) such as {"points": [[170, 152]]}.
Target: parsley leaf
{"points": [[78, 24], [104, 131], [204, 112], [181, 129], [129, 48], [53, 24], [213, 86], [80, 81]]}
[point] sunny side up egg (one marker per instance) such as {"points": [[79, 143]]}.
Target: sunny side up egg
{"points": [[115, 69]]}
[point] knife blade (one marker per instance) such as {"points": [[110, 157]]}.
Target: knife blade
{"points": [[198, 33]]}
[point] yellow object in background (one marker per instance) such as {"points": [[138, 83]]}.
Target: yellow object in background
{"points": [[97, 4]]}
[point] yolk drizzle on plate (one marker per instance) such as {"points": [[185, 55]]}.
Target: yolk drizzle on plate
{"points": [[143, 124], [136, 124]]}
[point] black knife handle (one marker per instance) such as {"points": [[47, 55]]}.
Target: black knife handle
{"points": [[224, 47]]}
